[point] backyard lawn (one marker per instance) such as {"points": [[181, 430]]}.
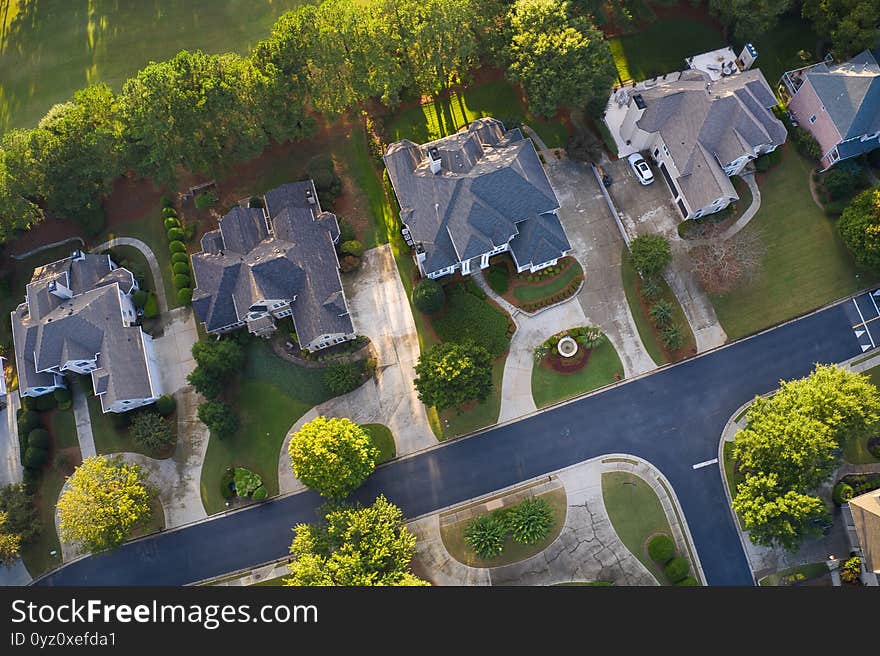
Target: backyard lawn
{"points": [[49, 49], [778, 49], [805, 265], [272, 395], [636, 515], [382, 439], [550, 386]]}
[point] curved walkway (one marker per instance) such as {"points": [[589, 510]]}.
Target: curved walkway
{"points": [[46, 247], [155, 269]]}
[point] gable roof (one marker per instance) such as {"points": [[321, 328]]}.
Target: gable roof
{"points": [[850, 93], [490, 182], [290, 256]]}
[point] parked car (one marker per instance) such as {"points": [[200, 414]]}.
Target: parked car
{"points": [[640, 167]]}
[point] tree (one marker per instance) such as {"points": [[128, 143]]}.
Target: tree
{"points": [[749, 18], [722, 264], [218, 361], [220, 418], [840, 182], [850, 25], [21, 512], [332, 456], [650, 254], [428, 296], [859, 227], [342, 377], [151, 431], [205, 384], [105, 499], [354, 546], [450, 374], [17, 211], [10, 543], [559, 57], [773, 515]]}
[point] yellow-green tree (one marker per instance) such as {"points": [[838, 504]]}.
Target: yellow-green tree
{"points": [[355, 546], [10, 543], [105, 499], [332, 456]]}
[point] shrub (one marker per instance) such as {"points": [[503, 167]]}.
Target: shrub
{"points": [[341, 378], [177, 247], [151, 308], [498, 279], [226, 484], [840, 182], [28, 420], [650, 254], [842, 493], [184, 296], [165, 405], [139, 298], [260, 493], [189, 231], [677, 569], [166, 202], [688, 581], [62, 398], [322, 172], [661, 313], [851, 570], [256, 201], [428, 296], [768, 161], [651, 289], [180, 268], [485, 536], [530, 520], [175, 234], [35, 457], [181, 281], [169, 213], [179, 257], [591, 337], [39, 438], [120, 420], [246, 481], [874, 447], [151, 431], [171, 222], [672, 337], [346, 231], [219, 417], [45, 402], [205, 200], [352, 247], [661, 549], [349, 263]]}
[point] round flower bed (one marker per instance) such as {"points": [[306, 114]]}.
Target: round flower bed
{"points": [[567, 347]]}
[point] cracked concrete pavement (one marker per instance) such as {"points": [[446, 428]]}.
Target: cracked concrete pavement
{"points": [[587, 549]]}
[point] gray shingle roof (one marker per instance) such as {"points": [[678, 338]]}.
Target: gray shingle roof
{"points": [[491, 184], [850, 93], [297, 260], [707, 124]]}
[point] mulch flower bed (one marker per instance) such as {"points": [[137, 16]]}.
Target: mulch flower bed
{"points": [[537, 279], [567, 365]]}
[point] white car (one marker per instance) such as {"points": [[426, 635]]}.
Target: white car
{"points": [[640, 167]]}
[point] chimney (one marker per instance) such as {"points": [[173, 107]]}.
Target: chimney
{"points": [[434, 159], [310, 197], [59, 289], [747, 57]]}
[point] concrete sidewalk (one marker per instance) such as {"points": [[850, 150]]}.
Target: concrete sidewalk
{"points": [[11, 470], [83, 421]]}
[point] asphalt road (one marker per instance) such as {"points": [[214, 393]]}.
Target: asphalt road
{"points": [[672, 418]]}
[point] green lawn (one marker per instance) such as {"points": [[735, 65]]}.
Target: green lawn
{"points": [[37, 555], [272, 395], [778, 48], [483, 414], [662, 47], [445, 116], [537, 292], [383, 440], [805, 265], [650, 338], [808, 571], [109, 438], [513, 552], [49, 49], [550, 386], [636, 515]]}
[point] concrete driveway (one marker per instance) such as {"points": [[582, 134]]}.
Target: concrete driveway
{"points": [[598, 246], [648, 209], [174, 348], [11, 470]]}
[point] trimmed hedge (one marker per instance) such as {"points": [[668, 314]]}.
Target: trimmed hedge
{"points": [[677, 569], [28, 420], [165, 405], [661, 549], [151, 307], [226, 481], [179, 257], [260, 493], [569, 291], [688, 581], [184, 296], [63, 398], [177, 247], [169, 212], [139, 298], [35, 458], [842, 493], [175, 234], [171, 222], [180, 267], [181, 281], [39, 438]]}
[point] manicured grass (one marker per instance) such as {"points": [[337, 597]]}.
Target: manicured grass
{"points": [[778, 48], [109, 438], [37, 555], [537, 292], [662, 47], [50, 49], [550, 386], [481, 415], [446, 116], [805, 265], [513, 552], [272, 395], [363, 172], [649, 336], [808, 571], [383, 440], [467, 317], [154, 523], [636, 515]]}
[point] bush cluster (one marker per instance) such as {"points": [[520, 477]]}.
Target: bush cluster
{"points": [[342, 377], [528, 522], [661, 549], [675, 568], [428, 296], [180, 264]]}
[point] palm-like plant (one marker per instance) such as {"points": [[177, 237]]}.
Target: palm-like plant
{"points": [[661, 313]]}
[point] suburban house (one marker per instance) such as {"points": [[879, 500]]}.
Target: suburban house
{"points": [[272, 262], [78, 316], [865, 511], [701, 126], [474, 194], [839, 105]]}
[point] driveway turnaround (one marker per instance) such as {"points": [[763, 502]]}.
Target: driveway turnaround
{"points": [[672, 418]]}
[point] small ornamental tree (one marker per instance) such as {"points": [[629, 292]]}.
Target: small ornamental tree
{"points": [[10, 543], [332, 456], [450, 374], [104, 501], [428, 296], [859, 227], [661, 549], [151, 431], [650, 254], [352, 247], [219, 417], [342, 377]]}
